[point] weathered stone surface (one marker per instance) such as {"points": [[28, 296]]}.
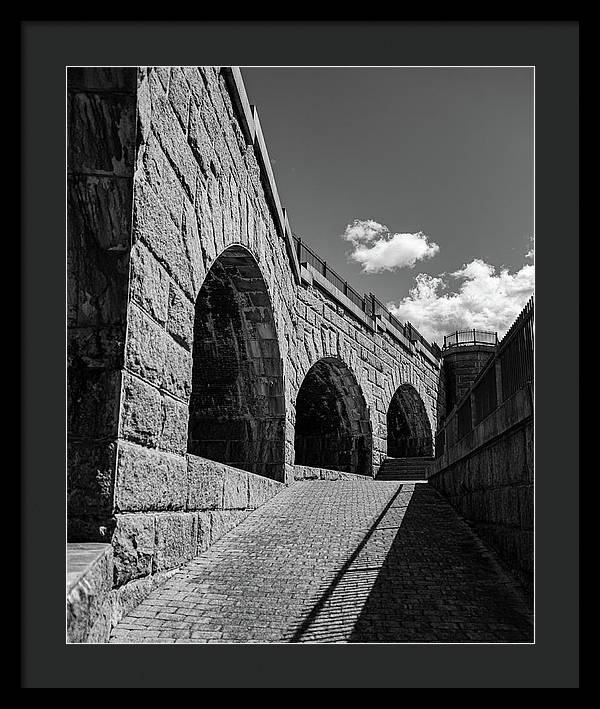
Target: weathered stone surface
{"points": [[121, 79], [177, 372], [90, 480], [146, 347], [180, 323], [126, 598], [173, 434], [92, 402], [149, 283], [100, 207], [204, 531], [133, 546], [235, 489], [176, 540], [142, 412], [305, 472], [223, 521], [88, 592], [261, 489], [205, 484], [149, 479]]}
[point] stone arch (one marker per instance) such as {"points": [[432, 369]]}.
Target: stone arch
{"points": [[333, 427], [237, 404], [408, 427]]}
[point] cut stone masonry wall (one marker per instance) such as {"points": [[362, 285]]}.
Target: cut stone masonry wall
{"points": [[192, 182]]}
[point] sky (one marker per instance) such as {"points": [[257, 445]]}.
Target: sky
{"points": [[415, 184]]}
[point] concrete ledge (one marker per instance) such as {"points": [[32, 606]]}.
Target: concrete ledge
{"points": [[89, 582], [237, 91], [305, 472]]}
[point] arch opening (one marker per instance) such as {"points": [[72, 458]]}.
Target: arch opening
{"points": [[237, 405], [408, 427], [333, 429]]}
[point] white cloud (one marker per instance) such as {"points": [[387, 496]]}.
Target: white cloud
{"points": [[484, 297], [376, 249]]}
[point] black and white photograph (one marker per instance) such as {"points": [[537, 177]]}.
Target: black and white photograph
{"points": [[300, 354]]}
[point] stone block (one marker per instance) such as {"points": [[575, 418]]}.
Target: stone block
{"points": [[149, 479], [204, 531], [142, 414], [173, 435], [177, 372], [176, 540], [90, 479], [93, 402], [261, 489], [180, 323], [146, 347], [223, 521], [235, 489], [205, 484], [179, 96], [133, 547], [88, 592], [154, 226], [102, 134], [149, 283], [167, 128]]}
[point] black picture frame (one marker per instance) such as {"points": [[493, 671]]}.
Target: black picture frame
{"points": [[46, 49]]}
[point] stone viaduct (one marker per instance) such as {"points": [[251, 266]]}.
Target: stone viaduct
{"points": [[212, 358]]}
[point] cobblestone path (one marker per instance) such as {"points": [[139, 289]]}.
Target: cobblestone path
{"points": [[345, 561]]}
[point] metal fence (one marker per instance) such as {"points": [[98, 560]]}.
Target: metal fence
{"points": [[461, 338], [515, 352]]}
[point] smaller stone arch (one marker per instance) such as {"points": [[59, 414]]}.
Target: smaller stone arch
{"points": [[408, 427], [333, 427]]}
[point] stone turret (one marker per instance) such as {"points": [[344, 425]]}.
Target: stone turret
{"points": [[464, 354]]}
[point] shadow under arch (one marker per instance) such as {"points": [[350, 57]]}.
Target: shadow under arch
{"points": [[408, 427], [237, 405], [333, 428]]}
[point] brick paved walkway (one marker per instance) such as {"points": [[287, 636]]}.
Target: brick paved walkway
{"points": [[345, 561]]}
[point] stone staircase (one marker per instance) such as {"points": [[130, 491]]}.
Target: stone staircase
{"points": [[404, 469]]}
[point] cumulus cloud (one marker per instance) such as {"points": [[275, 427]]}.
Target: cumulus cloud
{"points": [[478, 295], [376, 249]]}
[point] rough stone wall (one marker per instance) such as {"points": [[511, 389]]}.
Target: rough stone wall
{"points": [[488, 477], [199, 187], [101, 148]]}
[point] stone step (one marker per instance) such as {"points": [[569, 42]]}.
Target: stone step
{"points": [[404, 469]]}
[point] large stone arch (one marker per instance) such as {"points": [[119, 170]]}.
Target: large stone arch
{"points": [[409, 431], [333, 427], [237, 404]]}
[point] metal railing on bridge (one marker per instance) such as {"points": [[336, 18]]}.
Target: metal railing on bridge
{"points": [[369, 304], [462, 338]]}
